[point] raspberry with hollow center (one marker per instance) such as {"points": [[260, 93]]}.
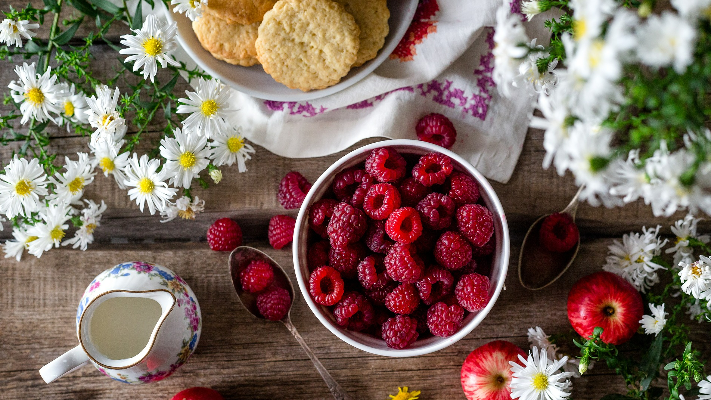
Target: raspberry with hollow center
{"points": [[452, 251], [326, 286], [347, 225], [345, 259], [381, 200], [371, 272], [346, 182], [359, 194], [437, 210], [463, 189], [257, 276], [443, 320], [281, 230], [436, 284], [224, 235], [403, 299], [400, 331], [403, 264], [377, 239], [274, 303], [317, 255], [476, 223], [436, 129], [558, 233], [354, 312], [404, 225], [472, 292], [320, 214], [432, 169], [385, 165], [292, 190]]}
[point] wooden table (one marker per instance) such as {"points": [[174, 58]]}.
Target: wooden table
{"points": [[246, 358]]}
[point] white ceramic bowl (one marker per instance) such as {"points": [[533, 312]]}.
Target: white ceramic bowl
{"points": [[257, 83], [371, 344]]}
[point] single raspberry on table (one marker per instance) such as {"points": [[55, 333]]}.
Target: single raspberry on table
{"points": [[377, 239], [385, 165], [347, 182], [432, 169], [558, 233], [486, 249], [347, 225], [400, 331], [224, 235], [412, 191], [472, 292], [404, 225], [476, 223], [371, 272], [452, 251], [317, 254], [274, 303], [436, 129], [435, 284], [381, 200], [320, 214], [281, 230], [403, 264], [326, 286], [292, 190], [377, 296], [443, 320], [346, 259], [463, 189], [437, 211], [257, 276], [403, 299], [354, 312]]}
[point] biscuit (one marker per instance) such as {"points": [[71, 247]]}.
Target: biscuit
{"points": [[372, 19], [243, 12], [307, 44], [229, 42]]}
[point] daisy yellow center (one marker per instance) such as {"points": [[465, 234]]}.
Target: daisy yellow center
{"points": [[35, 96], [56, 234], [579, 28], [107, 119], [596, 53], [76, 185], [153, 46], [679, 239], [540, 381], [29, 240], [14, 27], [146, 186], [90, 228], [186, 214], [187, 159], [23, 187], [696, 270], [209, 107], [235, 144], [194, 3], [639, 259], [68, 108], [107, 164]]}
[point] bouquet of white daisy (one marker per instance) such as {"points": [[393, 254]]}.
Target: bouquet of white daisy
{"points": [[628, 112], [42, 197]]}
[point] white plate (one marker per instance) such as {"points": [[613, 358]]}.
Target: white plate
{"points": [[257, 83]]}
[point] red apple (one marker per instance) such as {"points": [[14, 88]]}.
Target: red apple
{"points": [[486, 373], [606, 300], [198, 393]]}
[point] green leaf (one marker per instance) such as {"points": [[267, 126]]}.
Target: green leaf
{"points": [[650, 362], [83, 7], [106, 6], [168, 87], [67, 35], [138, 16], [32, 47], [167, 109]]}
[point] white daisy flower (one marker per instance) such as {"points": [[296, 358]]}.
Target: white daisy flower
{"points": [[529, 74], [653, 324], [531, 8], [667, 40], [538, 378], [705, 389], [150, 45], [73, 105], [183, 208], [107, 157], [589, 16], [630, 179], [148, 185], [668, 193], [231, 147], [186, 155], [12, 32], [104, 117], [69, 186], [696, 278], [208, 108], [91, 219], [191, 8], [15, 248], [685, 229], [693, 8], [555, 123], [50, 232], [20, 187], [510, 38], [632, 259], [36, 93], [538, 338]]}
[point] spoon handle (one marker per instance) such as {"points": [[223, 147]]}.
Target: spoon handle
{"points": [[336, 390], [572, 207]]}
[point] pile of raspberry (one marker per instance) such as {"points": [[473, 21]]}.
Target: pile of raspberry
{"points": [[401, 247], [272, 298]]}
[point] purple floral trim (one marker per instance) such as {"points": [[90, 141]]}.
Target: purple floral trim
{"points": [[370, 102], [515, 8], [304, 109]]}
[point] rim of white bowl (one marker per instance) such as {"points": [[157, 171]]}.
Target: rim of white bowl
{"points": [[431, 344]]}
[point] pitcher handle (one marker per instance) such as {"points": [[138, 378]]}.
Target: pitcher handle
{"points": [[64, 364]]}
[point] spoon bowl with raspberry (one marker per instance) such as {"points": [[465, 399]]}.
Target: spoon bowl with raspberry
{"points": [[266, 291]]}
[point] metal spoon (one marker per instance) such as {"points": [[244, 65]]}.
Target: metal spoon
{"points": [[538, 267], [239, 260]]}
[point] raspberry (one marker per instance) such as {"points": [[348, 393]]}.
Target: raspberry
{"points": [[317, 255], [257, 276], [359, 194], [347, 182], [326, 286], [376, 239], [476, 223], [403, 300], [421, 316], [443, 320], [411, 191], [463, 189], [385, 164], [452, 251], [472, 292], [404, 225], [436, 284], [281, 230], [377, 296], [486, 249], [274, 303], [320, 214], [402, 264], [345, 259], [381, 200], [558, 233], [436, 129], [469, 268], [354, 312], [436, 210], [224, 235], [371, 272], [425, 244], [400, 331], [292, 190], [347, 225], [432, 169]]}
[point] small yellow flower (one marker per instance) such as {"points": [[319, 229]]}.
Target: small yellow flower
{"points": [[404, 394]]}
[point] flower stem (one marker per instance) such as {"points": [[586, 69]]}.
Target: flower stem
{"points": [[52, 33], [128, 14]]}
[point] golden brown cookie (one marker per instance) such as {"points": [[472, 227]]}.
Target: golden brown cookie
{"points": [[307, 44], [372, 19], [229, 42], [243, 12]]}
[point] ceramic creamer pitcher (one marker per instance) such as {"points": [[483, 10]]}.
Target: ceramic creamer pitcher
{"points": [[137, 323]]}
